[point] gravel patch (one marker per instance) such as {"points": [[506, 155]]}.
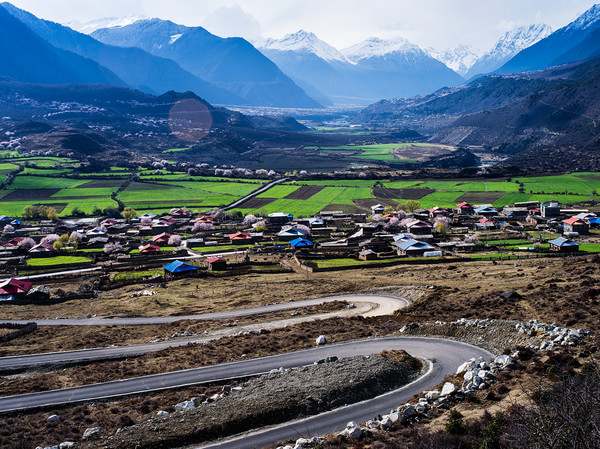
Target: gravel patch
{"points": [[277, 397]]}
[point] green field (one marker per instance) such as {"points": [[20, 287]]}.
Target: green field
{"points": [[56, 260]]}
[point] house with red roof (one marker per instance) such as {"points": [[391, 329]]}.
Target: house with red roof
{"points": [[149, 249], [161, 239], [240, 238], [216, 264], [575, 224], [465, 208], [14, 288]]}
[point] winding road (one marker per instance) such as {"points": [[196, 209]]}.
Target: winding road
{"points": [[443, 356]]}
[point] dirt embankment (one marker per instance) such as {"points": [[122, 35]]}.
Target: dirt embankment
{"points": [[271, 399]]}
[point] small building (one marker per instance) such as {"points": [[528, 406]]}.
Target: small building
{"points": [[290, 233], [563, 245], [367, 254], [378, 209], [575, 224], [178, 212], [485, 224], [149, 249], [465, 208], [240, 238], [419, 227], [301, 243], [413, 248], [14, 288], [216, 264], [161, 239], [179, 269], [279, 218], [437, 211], [203, 219], [550, 210], [316, 222], [486, 211]]}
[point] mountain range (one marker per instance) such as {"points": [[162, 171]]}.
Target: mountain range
{"points": [[230, 63], [365, 72], [154, 74]]}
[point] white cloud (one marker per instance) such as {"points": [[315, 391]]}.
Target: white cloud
{"points": [[428, 23], [232, 21]]}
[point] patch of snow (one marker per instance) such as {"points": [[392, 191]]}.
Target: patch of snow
{"points": [[105, 22], [304, 42], [174, 38], [375, 47]]}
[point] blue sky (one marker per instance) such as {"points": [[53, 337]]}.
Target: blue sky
{"points": [[428, 23]]}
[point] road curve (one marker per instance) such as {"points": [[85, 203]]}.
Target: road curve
{"points": [[365, 305], [446, 356], [387, 305]]}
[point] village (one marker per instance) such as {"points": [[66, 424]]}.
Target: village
{"points": [[159, 248]]}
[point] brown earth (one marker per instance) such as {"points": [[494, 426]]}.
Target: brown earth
{"points": [[479, 197], [256, 203], [304, 192], [30, 194], [408, 194], [98, 183]]}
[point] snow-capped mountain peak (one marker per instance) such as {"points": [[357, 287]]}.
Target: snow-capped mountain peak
{"points": [[304, 42], [459, 59], [587, 19], [520, 38], [374, 47], [105, 22]]}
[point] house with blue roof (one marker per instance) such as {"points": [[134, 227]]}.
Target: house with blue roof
{"points": [[563, 245], [179, 269], [413, 248], [301, 243]]}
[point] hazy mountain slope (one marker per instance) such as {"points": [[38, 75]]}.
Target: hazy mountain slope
{"points": [[27, 57], [459, 59], [363, 73], [231, 63], [136, 67], [544, 53], [563, 115], [508, 46]]}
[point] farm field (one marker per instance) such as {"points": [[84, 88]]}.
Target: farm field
{"points": [[51, 181], [376, 152]]}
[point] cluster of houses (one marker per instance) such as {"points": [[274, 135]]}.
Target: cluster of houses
{"points": [[382, 233]]}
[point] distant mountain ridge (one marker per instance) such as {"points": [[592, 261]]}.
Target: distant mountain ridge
{"points": [[230, 63], [508, 46], [137, 68], [28, 57], [370, 70], [575, 40]]}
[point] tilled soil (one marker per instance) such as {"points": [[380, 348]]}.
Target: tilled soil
{"points": [[272, 399]]}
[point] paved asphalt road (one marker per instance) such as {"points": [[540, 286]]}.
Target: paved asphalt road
{"points": [[128, 321], [447, 355], [367, 305]]}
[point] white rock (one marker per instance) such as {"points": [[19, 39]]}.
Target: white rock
{"points": [[468, 377], [53, 418], [503, 360], [161, 414], [395, 417], [386, 422], [448, 389], [321, 340], [432, 395], [66, 445], [465, 366], [420, 408], [185, 406], [91, 433], [477, 381]]}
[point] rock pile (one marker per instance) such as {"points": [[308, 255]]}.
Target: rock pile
{"points": [[477, 375], [552, 334], [305, 443]]}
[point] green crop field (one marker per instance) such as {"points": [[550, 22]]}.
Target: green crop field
{"points": [[176, 150], [56, 260], [79, 192], [574, 184], [279, 191], [40, 182]]}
